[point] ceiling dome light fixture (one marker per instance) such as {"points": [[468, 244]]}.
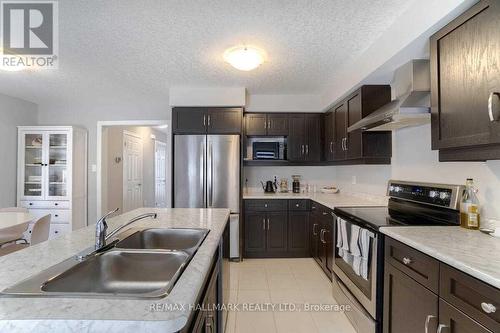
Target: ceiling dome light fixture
{"points": [[244, 58]]}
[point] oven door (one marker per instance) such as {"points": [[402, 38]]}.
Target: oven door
{"points": [[365, 291]]}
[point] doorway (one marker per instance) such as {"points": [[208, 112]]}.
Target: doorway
{"points": [[160, 174], [133, 165]]}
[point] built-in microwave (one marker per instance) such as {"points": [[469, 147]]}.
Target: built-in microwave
{"points": [[265, 150]]}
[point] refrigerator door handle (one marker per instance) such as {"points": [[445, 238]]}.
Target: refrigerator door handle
{"points": [[203, 174], [210, 175]]}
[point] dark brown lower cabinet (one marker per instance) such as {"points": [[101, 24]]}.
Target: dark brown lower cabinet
{"points": [[452, 320], [255, 233], [321, 238], [276, 235], [266, 234], [298, 227], [408, 306], [461, 304]]}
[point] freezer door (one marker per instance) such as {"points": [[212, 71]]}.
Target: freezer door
{"points": [[189, 171], [223, 172]]}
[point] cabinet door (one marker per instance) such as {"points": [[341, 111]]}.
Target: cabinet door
{"points": [[277, 124], [224, 120], [340, 131], [276, 232], [454, 321], [408, 306], [32, 169], [313, 140], [329, 135], [59, 166], [256, 124], [354, 139], [296, 137], [255, 232], [463, 58], [298, 233], [189, 120]]}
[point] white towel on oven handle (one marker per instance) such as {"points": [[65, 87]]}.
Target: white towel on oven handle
{"points": [[339, 236], [355, 249], [364, 241]]}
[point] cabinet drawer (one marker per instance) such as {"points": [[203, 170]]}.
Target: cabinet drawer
{"points": [[419, 266], [455, 321], [298, 204], [57, 230], [45, 204], [476, 298], [56, 216], [265, 205]]}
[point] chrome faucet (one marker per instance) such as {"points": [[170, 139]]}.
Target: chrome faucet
{"points": [[101, 228]]}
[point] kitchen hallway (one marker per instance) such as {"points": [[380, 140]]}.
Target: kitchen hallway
{"points": [[283, 281]]}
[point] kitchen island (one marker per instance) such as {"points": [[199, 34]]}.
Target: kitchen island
{"points": [[55, 314]]}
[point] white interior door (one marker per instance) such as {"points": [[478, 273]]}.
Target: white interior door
{"points": [[160, 174], [132, 171]]}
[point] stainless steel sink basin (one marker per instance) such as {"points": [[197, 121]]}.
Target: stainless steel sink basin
{"points": [[128, 273], [144, 264], [167, 239]]}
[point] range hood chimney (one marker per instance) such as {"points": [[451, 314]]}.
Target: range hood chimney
{"points": [[411, 86]]}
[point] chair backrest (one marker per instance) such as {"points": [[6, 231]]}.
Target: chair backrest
{"points": [[14, 210], [12, 233], [40, 231]]}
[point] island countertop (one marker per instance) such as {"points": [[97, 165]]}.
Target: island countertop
{"points": [[469, 251], [55, 314]]}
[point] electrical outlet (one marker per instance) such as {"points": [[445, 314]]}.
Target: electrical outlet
{"points": [[354, 180]]}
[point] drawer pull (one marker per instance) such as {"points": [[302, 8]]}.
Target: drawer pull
{"points": [[297, 205], [57, 215], [407, 261], [265, 205], [488, 307], [427, 322]]}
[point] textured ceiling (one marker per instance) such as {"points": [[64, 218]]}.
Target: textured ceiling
{"points": [[130, 50]]}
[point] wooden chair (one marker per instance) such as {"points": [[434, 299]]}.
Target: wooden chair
{"points": [[39, 233]]}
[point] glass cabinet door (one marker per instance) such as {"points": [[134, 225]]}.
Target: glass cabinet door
{"points": [[33, 165], [57, 165]]}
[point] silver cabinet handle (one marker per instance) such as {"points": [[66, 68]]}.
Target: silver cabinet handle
{"points": [[343, 144], [314, 229], [303, 149], [204, 121], [441, 327], [265, 205], [490, 106], [307, 150], [427, 322], [331, 146], [407, 261], [297, 205], [269, 124], [346, 145], [321, 236], [209, 120], [267, 223], [325, 213], [488, 307], [265, 124], [264, 224]]}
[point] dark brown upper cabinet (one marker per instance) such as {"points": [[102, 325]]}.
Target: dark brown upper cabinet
{"points": [[358, 147], [329, 142], [262, 124], [465, 85], [305, 137], [203, 120]]}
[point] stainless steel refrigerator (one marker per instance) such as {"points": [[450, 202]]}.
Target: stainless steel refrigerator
{"points": [[207, 175]]}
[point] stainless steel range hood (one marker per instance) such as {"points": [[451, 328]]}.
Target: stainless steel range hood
{"points": [[411, 85]]}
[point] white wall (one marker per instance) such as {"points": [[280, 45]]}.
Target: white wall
{"points": [[413, 159], [207, 96], [87, 116], [13, 112]]}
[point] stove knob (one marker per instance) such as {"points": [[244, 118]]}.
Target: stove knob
{"points": [[444, 195]]}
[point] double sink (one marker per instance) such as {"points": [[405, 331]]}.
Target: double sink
{"points": [[142, 264]]}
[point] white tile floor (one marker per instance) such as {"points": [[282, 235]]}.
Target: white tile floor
{"points": [[279, 281]]}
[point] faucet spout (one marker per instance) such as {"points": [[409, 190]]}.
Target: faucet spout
{"points": [[135, 219]]}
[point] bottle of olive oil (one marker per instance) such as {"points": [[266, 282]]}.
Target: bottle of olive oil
{"points": [[469, 207]]}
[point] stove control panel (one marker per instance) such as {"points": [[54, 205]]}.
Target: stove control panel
{"points": [[441, 195]]}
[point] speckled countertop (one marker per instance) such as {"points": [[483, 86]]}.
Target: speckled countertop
{"points": [[45, 314], [329, 200], [470, 251]]}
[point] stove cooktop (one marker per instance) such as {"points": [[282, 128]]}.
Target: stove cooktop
{"points": [[377, 217]]}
